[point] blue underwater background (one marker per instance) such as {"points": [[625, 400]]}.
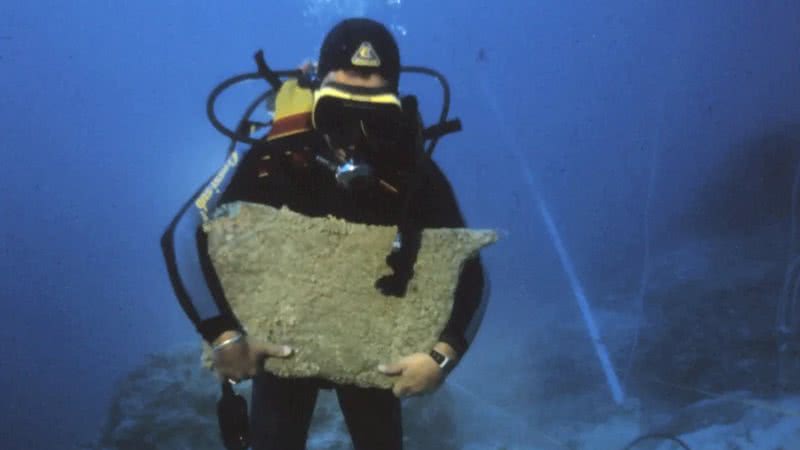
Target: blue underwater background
{"points": [[641, 159]]}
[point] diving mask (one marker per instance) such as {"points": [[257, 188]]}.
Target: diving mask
{"points": [[364, 129]]}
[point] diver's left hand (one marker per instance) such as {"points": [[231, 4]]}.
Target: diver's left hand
{"points": [[418, 374]]}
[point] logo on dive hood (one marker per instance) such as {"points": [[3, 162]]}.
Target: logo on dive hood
{"points": [[366, 56]]}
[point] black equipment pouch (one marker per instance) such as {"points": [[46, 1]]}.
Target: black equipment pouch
{"points": [[233, 419]]}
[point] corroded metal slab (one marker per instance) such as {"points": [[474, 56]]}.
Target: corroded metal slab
{"points": [[309, 283]]}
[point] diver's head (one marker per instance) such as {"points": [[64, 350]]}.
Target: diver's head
{"points": [[356, 107], [360, 52]]}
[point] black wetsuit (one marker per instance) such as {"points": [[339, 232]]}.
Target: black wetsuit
{"points": [[282, 408]]}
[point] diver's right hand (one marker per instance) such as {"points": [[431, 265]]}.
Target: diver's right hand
{"points": [[242, 360]]}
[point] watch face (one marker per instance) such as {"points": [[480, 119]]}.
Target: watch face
{"points": [[438, 357]]}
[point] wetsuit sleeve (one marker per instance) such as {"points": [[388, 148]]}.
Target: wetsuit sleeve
{"points": [[185, 248], [435, 206]]}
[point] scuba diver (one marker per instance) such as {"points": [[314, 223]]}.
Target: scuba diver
{"points": [[342, 143]]}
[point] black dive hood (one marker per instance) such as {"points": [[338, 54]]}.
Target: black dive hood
{"points": [[275, 79]]}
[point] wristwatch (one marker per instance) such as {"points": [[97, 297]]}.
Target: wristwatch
{"points": [[445, 363]]}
